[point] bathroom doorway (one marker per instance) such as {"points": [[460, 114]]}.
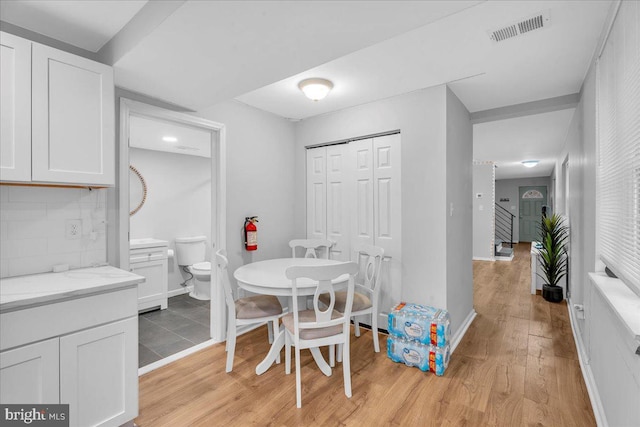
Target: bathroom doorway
{"points": [[174, 189]]}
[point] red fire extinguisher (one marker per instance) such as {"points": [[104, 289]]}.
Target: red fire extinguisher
{"points": [[250, 233]]}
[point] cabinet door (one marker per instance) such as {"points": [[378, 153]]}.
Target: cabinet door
{"points": [[153, 291], [15, 108], [73, 119], [29, 374], [99, 374]]}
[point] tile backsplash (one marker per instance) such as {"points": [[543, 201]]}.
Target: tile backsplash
{"points": [[41, 227]]}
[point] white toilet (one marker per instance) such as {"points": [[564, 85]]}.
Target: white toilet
{"points": [[190, 253]]}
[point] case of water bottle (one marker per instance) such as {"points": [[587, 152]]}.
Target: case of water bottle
{"points": [[412, 353], [422, 323]]}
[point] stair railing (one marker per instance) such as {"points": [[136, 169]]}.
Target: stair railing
{"points": [[504, 225]]}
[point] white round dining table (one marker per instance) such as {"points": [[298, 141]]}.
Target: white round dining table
{"points": [[268, 277]]}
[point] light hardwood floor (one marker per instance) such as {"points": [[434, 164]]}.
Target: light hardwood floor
{"points": [[517, 365]]}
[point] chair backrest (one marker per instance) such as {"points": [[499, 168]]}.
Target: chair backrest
{"points": [[323, 276], [369, 260], [312, 247], [222, 262]]}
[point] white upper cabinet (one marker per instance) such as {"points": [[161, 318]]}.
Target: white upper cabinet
{"points": [[69, 113], [73, 119], [15, 108]]}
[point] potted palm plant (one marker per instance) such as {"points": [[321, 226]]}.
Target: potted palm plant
{"points": [[553, 256]]}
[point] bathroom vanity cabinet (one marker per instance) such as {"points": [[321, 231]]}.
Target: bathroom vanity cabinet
{"points": [[58, 117], [76, 346], [149, 258]]}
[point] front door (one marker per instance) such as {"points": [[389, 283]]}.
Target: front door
{"points": [[531, 201]]}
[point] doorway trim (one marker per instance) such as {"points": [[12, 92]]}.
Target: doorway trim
{"points": [[128, 107]]}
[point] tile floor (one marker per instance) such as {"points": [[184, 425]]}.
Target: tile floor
{"points": [[162, 333]]}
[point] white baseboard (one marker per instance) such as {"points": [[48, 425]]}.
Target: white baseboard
{"points": [[480, 258], [462, 330], [587, 374], [176, 292]]}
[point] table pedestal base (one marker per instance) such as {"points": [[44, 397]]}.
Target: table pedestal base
{"points": [[274, 352]]}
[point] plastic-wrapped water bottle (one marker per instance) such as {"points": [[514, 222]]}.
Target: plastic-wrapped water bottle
{"points": [[412, 353], [425, 324]]}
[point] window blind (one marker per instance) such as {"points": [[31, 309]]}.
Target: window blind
{"points": [[618, 192]]}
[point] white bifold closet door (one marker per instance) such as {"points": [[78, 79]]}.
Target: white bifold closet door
{"points": [[354, 197], [328, 198]]}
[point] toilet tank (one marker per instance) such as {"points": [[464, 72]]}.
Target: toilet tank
{"points": [[190, 250]]}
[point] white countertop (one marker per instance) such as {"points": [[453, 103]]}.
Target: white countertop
{"points": [[147, 243], [37, 289]]}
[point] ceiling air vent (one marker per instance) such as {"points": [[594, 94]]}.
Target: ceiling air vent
{"points": [[532, 23]]}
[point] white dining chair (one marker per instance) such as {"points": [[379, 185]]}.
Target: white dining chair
{"points": [[245, 311], [319, 326], [314, 248], [367, 292]]}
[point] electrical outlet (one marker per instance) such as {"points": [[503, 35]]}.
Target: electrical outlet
{"points": [[73, 229]]}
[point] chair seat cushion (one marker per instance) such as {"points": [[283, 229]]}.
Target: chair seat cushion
{"points": [[310, 316], [360, 301], [257, 306]]}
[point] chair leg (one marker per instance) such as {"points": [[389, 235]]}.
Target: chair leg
{"points": [[374, 331], [287, 353], [339, 356], [298, 380], [231, 348], [274, 327], [332, 355], [357, 325], [346, 368]]}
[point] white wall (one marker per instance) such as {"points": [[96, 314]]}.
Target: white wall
{"points": [[459, 207], [483, 210], [33, 226], [421, 118], [260, 179], [603, 341], [178, 201], [508, 188]]}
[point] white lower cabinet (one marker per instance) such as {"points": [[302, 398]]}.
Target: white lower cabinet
{"points": [[81, 351], [29, 374], [96, 378]]}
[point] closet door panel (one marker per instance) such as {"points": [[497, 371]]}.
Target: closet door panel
{"points": [[386, 194], [316, 193], [362, 214], [338, 193], [387, 212]]}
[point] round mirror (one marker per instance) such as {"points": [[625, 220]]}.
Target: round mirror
{"points": [[137, 190]]}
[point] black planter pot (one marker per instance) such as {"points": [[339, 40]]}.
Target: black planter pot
{"points": [[552, 293]]}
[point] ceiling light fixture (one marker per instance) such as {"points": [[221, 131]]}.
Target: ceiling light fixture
{"points": [[315, 89], [529, 163], [169, 139]]}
